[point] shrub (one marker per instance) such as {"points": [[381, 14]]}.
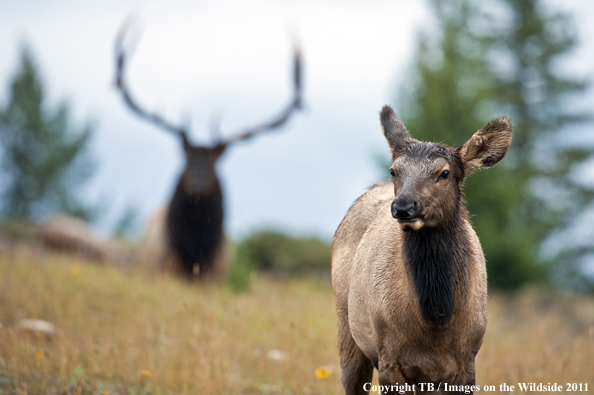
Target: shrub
{"points": [[275, 252]]}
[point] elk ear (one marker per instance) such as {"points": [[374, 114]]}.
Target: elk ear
{"points": [[219, 149], [394, 131], [185, 141], [487, 146]]}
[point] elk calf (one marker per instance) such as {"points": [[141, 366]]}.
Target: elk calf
{"points": [[408, 270]]}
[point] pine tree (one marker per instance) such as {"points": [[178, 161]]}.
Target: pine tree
{"points": [[45, 160], [538, 98]]}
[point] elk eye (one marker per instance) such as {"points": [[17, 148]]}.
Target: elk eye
{"points": [[444, 175], [392, 173]]}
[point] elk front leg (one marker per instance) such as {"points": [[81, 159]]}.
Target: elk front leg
{"points": [[464, 381], [393, 381], [357, 370]]}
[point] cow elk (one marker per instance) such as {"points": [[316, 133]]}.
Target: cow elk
{"points": [[408, 270], [187, 235]]}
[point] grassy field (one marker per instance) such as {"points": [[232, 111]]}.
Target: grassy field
{"points": [[125, 332]]}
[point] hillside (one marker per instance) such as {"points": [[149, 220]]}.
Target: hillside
{"points": [[125, 332]]}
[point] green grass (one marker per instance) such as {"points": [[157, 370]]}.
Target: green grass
{"points": [[126, 332]]}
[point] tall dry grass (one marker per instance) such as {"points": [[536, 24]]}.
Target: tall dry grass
{"points": [[121, 332], [125, 329], [538, 336]]}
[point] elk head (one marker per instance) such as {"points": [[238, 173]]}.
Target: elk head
{"points": [[428, 177], [199, 177]]}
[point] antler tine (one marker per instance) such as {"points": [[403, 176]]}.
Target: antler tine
{"points": [[294, 105], [123, 88]]}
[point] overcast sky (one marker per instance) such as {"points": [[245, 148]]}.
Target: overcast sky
{"points": [[196, 58]]}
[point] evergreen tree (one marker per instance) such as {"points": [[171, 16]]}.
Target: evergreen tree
{"points": [[538, 99], [44, 158], [452, 93], [486, 59]]}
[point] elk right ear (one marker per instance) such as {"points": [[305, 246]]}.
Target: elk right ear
{"points": [[487, 146], [394, 131]]}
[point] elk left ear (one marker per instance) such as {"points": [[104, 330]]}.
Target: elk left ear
{"points": [[219, 149], [487, 146]]}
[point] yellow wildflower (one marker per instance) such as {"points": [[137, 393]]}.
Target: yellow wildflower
{"points": [[104, 393], [74, 270], [39, 356], [146, 373], [323, 372]]}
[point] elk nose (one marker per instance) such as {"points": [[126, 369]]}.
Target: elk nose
{"points": [[404, 208]]}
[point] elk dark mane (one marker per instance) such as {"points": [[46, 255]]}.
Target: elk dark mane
{"points": [[436, 259], [196, 235]]}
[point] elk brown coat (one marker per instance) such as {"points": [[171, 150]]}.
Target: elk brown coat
{"points": [[408, 270]]}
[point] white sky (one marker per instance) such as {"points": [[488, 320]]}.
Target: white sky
{"points": [[196, 58]]}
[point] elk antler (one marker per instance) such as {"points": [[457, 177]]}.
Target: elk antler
{"points": [[121, 58], [123, 88], [294, 104]]}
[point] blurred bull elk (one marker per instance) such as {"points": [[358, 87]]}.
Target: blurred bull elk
{"points": [[187, 235]]}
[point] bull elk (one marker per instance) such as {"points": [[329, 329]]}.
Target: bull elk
{"points": [[187, 235], [408, 271]]}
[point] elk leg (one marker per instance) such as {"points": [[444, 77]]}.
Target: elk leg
{"points": [[457, 383], [392, 380], [465, 378], [357, 370]]}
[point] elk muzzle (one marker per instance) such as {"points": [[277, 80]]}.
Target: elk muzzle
{"points": [[407, 210]]}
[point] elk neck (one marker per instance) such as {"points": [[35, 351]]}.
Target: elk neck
{"points": [[196, 226], [437, 261]]}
